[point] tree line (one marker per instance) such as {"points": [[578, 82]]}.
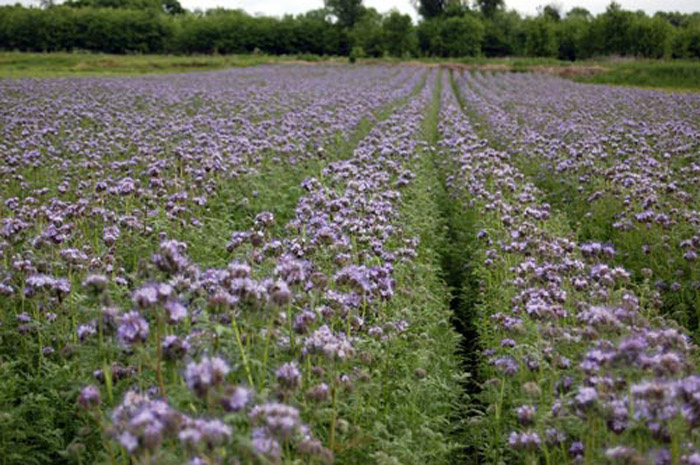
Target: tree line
{"points": [[447, 28]]}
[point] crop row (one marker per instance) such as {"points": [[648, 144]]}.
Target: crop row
{"points": [[577, 366], [622, 163]]}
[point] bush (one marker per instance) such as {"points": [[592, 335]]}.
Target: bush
{"points": [[456, 36], [95, 29]]}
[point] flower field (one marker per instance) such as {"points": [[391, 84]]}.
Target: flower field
{"points": [[294, 264]]}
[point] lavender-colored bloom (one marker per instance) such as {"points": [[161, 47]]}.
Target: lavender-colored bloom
{"points": [[586, 397], [132, 328], [89, 397], [528, 440], [526, 414], [236, 399], [151, 295], [264, 444], [661, 457], [128, 441], [576, 449], [205, 375], [176, 311], [324, 341], [86, 331], [280, 420], [279, 293], [318, 393], [289, 376], [624, 454], [174, 348], [692, 459]]}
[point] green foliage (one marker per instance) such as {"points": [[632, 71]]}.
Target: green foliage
{"points": [[490, 7], [347, 12], [503, 35], [166, 6], [61, 28], [673, 75], [540, 37], [448, 29], [368, 35], [431, 8], [461, 36], [615, 26], [571, 33], [455, 36], [650, 37], [355, 53], [552, 12], [398, 34], [686, 42]]}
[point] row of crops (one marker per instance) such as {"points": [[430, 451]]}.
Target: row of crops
{"points": [[330, 264]]}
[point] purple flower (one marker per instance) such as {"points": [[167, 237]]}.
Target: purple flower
{"points": [[236, 399], [89, 397], [132, 328], [288, 376], [205, 375], [176, 311]]}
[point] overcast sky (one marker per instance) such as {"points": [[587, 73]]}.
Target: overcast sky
{"points": [[280, 7]]}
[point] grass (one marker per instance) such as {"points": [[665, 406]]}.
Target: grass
{"points": [[44, 65], [682, 75]]}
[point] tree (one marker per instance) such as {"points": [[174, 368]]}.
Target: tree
{"points": [[615, 25], [347, 12], [429, 9], [398, 35], [552, 12], [461, 36], [428, 34], [650, 37], [686, 42], [316, 34], [366, 35], [166, 6], [456, 36], [489, 7], [570, 34], [580, 13], [540, 37], [172, 7], [501, 37]]}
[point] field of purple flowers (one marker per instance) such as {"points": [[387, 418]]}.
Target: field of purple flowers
{"points": [[331, 264]]}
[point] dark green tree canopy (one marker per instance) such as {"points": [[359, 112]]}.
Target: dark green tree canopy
{"points": [[552, 12], [167, 6], [448, 28], [430, 8], [489, 7], [579, 12], [347, 12]]}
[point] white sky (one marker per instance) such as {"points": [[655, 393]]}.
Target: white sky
{"points": [[280, 7]]}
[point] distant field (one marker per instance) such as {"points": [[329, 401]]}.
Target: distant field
{"points": [[681, 75], [16, 64], [669, 75]]}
